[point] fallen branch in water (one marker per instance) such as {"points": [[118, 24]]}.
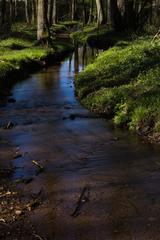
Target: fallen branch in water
{"points": [[37, 236], [9, 125], [84, 197], [41, 168]]}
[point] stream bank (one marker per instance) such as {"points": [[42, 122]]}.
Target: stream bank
{"points": [[98, 182], [123, 84], [21, 54]]}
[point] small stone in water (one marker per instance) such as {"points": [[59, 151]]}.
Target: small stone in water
{"points": [[18, 212]]}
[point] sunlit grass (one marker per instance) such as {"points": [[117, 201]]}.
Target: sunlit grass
{"points": [[21, 49], [124, 83]]}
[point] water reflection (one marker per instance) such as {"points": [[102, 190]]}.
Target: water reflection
{"points": [[83, 56], [50, 77]]}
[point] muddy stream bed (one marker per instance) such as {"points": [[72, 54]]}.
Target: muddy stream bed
{"points": [[98, 183]]}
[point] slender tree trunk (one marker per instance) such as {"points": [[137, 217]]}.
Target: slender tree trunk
{"points": [[34, 11], [11, 10], [100, 12], [54, 15], [40, 20], [15, 7], [76, 61], [46, 20], [109, 13], [90, 20], [26, 11], [73, 10], [116, 20], [84, 13], [50, 11]]}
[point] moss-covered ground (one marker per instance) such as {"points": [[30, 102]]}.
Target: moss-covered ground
{"points": [[101, 37], [124, 83], [20, 49]]}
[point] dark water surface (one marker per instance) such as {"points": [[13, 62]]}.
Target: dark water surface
{"points": [[121, 172]]}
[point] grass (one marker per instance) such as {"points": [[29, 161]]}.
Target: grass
{"points": [[21, 49], [124, 83], [101, 37], [65, 27]]}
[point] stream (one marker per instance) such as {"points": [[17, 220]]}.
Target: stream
{"points": [[78, 150]]}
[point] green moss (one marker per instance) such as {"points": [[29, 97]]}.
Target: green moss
{"points": [[15, 43], [16, 52], [58, 28], [65, 27], [82, 35], [101, 37], [24, 31], [117, 66], [70, 24], [124, 83]]}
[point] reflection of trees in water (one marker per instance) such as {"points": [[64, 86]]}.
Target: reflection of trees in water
{"points": [[6, 84], [70, 63], [50, 77], [83, 56], [76, 60]]}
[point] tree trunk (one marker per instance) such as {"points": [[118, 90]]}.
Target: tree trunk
{"points": [[90, 20], [100, 12], [11, 10], [15, 8], [84, 13], [40, 20], [73, 10], [116, 21], [26, 11], [54, 16], [50, 11], [109, 13], [34, 11]]}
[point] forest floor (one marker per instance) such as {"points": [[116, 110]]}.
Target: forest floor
{"points": [[123, 82]]}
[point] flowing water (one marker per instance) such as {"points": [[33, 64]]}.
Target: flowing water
{"points": [[120, 171]]}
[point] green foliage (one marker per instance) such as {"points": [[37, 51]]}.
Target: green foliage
{"points": [[124, 83], [70, 24], [102, 36], [24, 31], [141, 119], [118, 66], [17, 52], [65, 27], [82, 35], [15, 43], [58, 28]]}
